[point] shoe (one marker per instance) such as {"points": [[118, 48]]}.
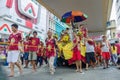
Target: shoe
{"points": [[82, 73], [52, 73], [77, 70], [25, 67], [86, 69], [11, 76], [108, 67], [104, 67]]}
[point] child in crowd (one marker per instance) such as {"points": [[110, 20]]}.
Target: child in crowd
{"points": [[40, 53], [98, 53], [114, 54]]}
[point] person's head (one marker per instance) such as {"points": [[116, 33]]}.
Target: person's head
{"points": [[41, 43], [14, 27], [98, 43], [104, 38], [113, 44], [116, 41], [49, 33], [27, 37], [81, 25], [35, 33], [67, 29]]}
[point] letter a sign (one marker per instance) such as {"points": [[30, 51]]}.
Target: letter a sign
{"points": [[28, 8]]}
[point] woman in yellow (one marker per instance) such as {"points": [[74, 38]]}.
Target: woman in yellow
{"points": [[66, 36], [114, 54]]}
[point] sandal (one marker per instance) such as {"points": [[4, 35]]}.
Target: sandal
{"points": [[11, 76], [77, 70]]}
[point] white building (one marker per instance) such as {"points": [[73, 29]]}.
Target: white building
{"points": [[118, 13]]}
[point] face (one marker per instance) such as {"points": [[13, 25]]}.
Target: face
{"points": [[27, 38], [34, 34], [104, 38], [14, 29], [49, 34]]}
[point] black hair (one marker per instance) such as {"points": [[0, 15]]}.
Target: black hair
{"points": [[15, 25], [67, 28], [26, 36], [113, 46], [116, 41], [35, 32]]}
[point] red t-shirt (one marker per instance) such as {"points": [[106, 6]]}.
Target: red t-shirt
{"points": [[98, 50], [33, 44], [26, 43], [14, 40], [41, 51], [118, 48], [50, 45]]}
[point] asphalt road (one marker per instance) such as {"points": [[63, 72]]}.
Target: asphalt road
{"points": [[66, 74]]}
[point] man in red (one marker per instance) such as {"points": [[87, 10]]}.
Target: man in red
{"points": [[13, 50], [33, 48], [50, 51]]}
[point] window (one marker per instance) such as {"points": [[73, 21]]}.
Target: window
{"points": [[118, 9], [119, 17]]}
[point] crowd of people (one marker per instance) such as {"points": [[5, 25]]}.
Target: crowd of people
{"points": [[82, 50]]}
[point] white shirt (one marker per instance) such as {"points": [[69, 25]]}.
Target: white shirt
{"points": [[89, 48], [105, 47]]}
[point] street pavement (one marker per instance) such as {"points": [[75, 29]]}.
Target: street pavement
{"points": [[64, 73]]}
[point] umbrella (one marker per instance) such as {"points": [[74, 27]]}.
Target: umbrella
{"points": [[74, 16]]}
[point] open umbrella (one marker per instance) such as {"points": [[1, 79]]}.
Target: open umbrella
{"points": [[74, 16]]}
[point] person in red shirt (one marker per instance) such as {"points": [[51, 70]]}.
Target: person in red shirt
{"points": [[26, 51], [33, 48], [50, 51], [40, 54], [98, 53], [13, 49]]}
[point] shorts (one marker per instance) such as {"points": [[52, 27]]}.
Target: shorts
{"points": [[13, 56], [32, 56], [26, 54], [106, 55], [90, 56]]}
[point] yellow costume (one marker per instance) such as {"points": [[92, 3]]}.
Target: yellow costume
{"points": [[67, 52], [83, 49]]}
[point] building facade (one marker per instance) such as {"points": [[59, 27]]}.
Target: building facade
{"points": [[54, 24], [118, 12]]}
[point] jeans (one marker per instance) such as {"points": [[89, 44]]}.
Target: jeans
{"points": [[114, 58], [39, 60]]}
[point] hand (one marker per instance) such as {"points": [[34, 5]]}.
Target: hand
{"points": [[55, 54], [30, 32]]}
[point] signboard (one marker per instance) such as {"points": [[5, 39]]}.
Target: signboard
{"points": [[29, 8]]}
